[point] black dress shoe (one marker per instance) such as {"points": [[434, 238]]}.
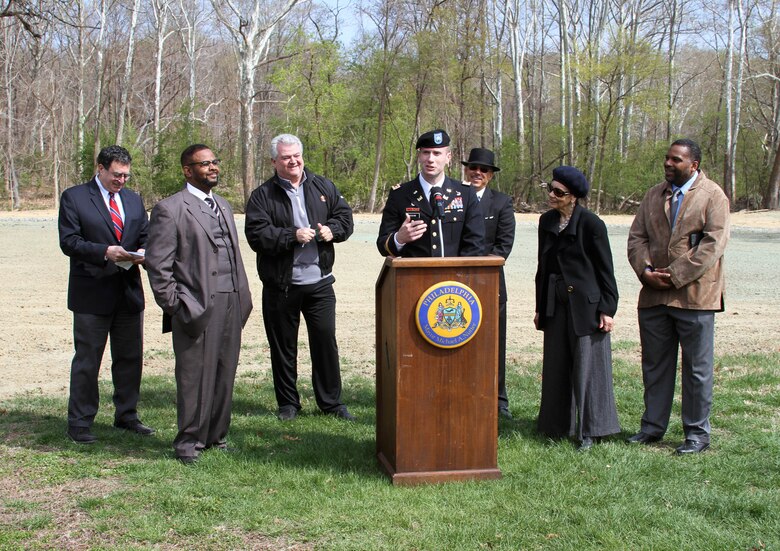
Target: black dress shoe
{"points": [[135, 426], [505, 413], [642, 438], [588, 442], [81, 435], [691, 446], [342, 413], [222, 447], [287, 413]]}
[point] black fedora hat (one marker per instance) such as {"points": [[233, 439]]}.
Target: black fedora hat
{"points": [[483, 157]]}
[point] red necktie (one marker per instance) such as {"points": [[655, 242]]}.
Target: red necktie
{"points": [[115, 217]]}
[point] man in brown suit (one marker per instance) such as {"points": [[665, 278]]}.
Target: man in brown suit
{"points": [[676, 246], [198, 279]]}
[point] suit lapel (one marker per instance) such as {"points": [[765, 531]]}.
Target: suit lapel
{"points": [[221, 203], [569, 233], [486, 203], [96, 197], [418, 198], [127, 206], [548, 224], [196, 208]]}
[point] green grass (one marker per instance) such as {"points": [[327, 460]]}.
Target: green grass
{"points": [[314, 483]]}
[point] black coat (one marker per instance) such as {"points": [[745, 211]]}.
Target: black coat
{"points": [[96, 285], [585, 259], [463, 225], [270, 230], [499, 229]]}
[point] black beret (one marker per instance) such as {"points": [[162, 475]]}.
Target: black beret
{"points": [[573, 179], [434, 138]]}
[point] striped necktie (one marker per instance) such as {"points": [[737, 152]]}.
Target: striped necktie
{"points": [[212, 205], [116, 218], [676, 200]]}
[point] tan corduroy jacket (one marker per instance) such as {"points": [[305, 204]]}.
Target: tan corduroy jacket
{"points": [[693, 252]]}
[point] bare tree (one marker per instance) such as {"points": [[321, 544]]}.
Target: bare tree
{"points": [[384, 16], [733, 106], [161, 13], [10, 49], [99, 75], [29, 15], [251, 32], [519, 27], [79, 54], [191, 16], [127, 80], [674, 8], [597, 19]]}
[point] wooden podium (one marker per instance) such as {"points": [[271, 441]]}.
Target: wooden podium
{"points": [[437, 408]]}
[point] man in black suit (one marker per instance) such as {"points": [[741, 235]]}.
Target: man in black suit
{"points": [[499, 238], [103, 227], [432, 215]]}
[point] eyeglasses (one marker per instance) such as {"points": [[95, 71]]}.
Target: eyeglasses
{"points": [[482, 169], [121, 175], [558, 192], [206, 164]]}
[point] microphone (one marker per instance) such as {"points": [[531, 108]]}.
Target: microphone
{"points": [[437, 202]]}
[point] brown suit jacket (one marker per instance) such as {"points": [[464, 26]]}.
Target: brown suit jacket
{"points": [[693, 251], [181, 261]]}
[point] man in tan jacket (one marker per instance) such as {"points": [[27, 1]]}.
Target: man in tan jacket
{"points": [[676, 246]]}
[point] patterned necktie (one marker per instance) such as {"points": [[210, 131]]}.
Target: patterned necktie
{"points": [[115, 217], [675, 206], [212, 204]]}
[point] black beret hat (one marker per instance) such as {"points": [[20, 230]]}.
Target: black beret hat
{"points": [[434, 138], [573, 179]]}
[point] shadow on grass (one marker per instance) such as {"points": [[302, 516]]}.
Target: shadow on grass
{"points": [[312, 441]]}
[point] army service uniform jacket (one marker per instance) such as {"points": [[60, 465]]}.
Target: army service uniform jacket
{"points": [[463, 226]]}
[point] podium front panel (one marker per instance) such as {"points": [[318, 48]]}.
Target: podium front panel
{"points": [[436, 407]]}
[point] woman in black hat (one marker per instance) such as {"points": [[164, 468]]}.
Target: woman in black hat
{"points": [[576, 299]]}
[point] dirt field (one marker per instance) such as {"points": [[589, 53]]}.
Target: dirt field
{"points": [[35, 325]]}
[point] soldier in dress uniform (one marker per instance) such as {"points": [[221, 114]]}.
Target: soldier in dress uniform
{"points": [[432, 215]]}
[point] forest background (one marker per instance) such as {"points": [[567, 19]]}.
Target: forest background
{"points": [[604, 85]]}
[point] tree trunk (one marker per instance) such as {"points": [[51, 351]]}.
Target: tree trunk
{"points": [[127, 80], [380, 129], [772, 200], [743, 23], [671, 52], [246, 127], [728, 162], [160, 12], [81, 118], [100, 76], [251, 35], [565, 98], [11, 47]]}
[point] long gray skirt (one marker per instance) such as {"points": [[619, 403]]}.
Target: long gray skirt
{"points": [[576, 380]]}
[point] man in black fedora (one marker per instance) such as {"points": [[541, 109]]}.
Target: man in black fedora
{"points": [[499, 237], [432, 215]]}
